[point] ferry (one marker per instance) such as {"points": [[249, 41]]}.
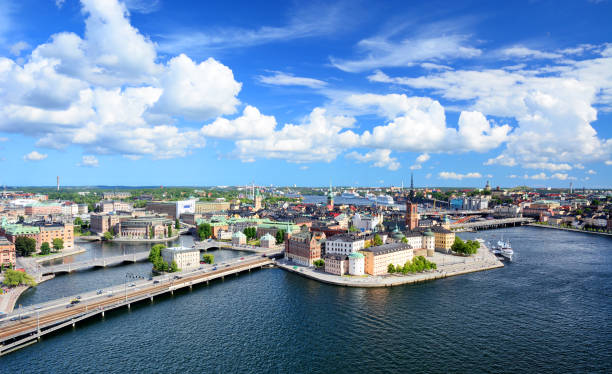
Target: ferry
{"points": [[382, 200], [350, 195]]}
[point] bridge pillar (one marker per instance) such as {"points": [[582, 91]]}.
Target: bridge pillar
{"points": [[222, 277], [171, 292], [190, 287], [207, 283], [102, 314], [128, 306], [151, 298], [73, 323]]}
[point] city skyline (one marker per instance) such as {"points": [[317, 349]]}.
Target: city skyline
{"points": [[152, 93]]}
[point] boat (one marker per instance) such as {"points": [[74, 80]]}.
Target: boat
{"points": [[382, 199], [503, 249], [350, 194]]}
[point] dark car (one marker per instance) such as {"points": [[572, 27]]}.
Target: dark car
{"points": [[155, 281], [215, 268], [75, 301], [69, 305], [227, 265], [100, 292]]}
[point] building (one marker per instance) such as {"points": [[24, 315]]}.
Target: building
{"points": [[377, 259], [412, 216], [107, 206], [172, 209], [366, 222], [7, 253], [101, 223], [267, 241], [506, 211], [211, 206], [344, 244], [82, 209], [258, 201], [41, 232], [304, 247], [185, 258], [443, 237], [238, 238], [151, 227], [330, 199], [356, 264], [69, 208], [116, 195], [43, 209], [336, 264]]}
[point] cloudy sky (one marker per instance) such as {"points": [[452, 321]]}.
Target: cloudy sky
{"points": [[177, 92]]}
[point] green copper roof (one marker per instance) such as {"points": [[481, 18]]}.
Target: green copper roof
{"points": [[355, 255]]}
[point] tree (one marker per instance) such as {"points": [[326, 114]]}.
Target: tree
{"points": [[174, 267], [404, 240], [391, 269], [78, 221], [151, 233], [208, 258], [204, 231], [250, 232], [319, 263], [107, 236], [112, 231], [58, 244], [14, 278], [177, 224], [468, 248], [280, 236], [169, 230], [377, 240], [155, 252], [45, 248], [25, 246]]}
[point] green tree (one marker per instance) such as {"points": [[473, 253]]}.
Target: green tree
{"points": [[58, 244], [151, 233], [391, 269], [280, 236], [404, 240], [174, 267], [177, 224], [467, 248], [250, 232], [107, 236], [169, 230], [377, 240], [155, 252], [25, 246], [14, 278], [353, 229], [204, 231], [78, 221], [45, 248], [208, 258], [112, 231], [319, 263]]}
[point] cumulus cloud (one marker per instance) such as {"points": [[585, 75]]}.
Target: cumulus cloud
{"points": [[380, 158], [89, 161], [284, 79], [543, 176], [34, 156], [251, 125], [106, 91], [18, 47], [550, 104], [525, 52], [591, 172]]}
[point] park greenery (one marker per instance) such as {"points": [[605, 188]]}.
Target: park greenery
{"points": [[377, 240], [204, 231], [250, 232], [45, 248], [107, 236], [58, 244], [469, 247], [418, 264], [208, 258], [177, 224], [14, 278], [155, 257], [25, 246], [169, 231], [280, 236], [319, 263]]}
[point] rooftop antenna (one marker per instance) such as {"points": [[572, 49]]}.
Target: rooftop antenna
{"points": [[58, 182]]}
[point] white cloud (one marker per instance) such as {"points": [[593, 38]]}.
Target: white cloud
{"points": [[453, 175], [501, 160], [380, 158], [18, 47], [547, 165], [608, 162], [251, 125], [540, 176], [422, 158], [284, 79], [3, 139], [591, 172], [89, 161], [525, 52], [34, 156], [381, 51]]}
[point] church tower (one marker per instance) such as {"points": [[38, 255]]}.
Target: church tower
{"points": [[258, 200], [412, 214], [330, 198]]}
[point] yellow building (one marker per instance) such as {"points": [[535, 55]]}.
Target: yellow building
{"points": [[444, 238], [377, 259]]}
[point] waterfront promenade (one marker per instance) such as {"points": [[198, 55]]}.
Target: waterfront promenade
{"points": [[447, 266], [26, 325], [545, 226]]}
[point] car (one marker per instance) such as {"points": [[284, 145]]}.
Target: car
{"points": [[75, 301], [227, 265], [242, 258], [215, 268], [200, 268], [155, 281], [177, 277], [132, 284], [15, 318], [69, 305], [78, 297], [100, 292], [25, 317], [150, 278]]}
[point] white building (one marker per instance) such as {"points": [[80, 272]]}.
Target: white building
{"points": [[356, 264], [185, 206], [366, 222], [343, 244], [238, 238], [185, 258], [267, 241], [415, 239]]}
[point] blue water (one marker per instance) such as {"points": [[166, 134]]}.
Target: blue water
{"points": [[548, 312]]}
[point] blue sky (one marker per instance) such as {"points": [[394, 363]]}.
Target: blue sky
{"points": [[360, 93]]}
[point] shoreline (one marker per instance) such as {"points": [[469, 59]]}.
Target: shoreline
{"points": [[568, 229], [77, 250], [485, 261]]}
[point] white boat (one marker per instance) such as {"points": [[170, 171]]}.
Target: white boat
{"points": [[350, 194], [504, 249], [384, 200]]}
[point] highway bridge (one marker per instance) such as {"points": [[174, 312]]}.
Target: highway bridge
{"points": [[26, 326], [492, 224], [210, 243]]}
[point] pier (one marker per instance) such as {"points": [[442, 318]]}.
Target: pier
{"points": [[491, 224], [26, 326]]}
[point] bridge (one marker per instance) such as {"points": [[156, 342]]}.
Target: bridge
{"points": [[26, 326], [208, 244], [95, 262], [492, 224]]}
